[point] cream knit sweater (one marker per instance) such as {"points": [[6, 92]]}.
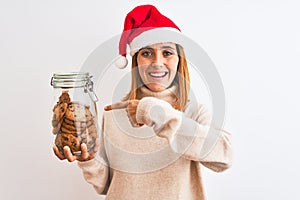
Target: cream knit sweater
{"points": [[160, 160]]}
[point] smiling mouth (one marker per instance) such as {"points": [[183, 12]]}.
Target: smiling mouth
{"points": [[158, 74]]}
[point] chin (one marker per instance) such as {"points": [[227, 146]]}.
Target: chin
{"points": [[156, 88]]}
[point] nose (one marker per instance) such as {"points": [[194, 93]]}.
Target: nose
{"points": [[158, 60]]}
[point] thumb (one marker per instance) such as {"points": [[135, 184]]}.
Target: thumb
{"points": [[119, 105]]}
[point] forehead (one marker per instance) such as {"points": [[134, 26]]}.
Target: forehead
{"points": [[163, 45]]}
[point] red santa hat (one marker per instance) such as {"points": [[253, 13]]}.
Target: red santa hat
{"points": [[143, 26]]}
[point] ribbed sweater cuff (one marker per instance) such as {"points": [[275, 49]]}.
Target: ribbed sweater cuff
{"points": [[143, 110], [88, 163], [159, 114]]}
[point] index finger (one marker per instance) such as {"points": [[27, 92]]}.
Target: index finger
{"points": [[57, 153], [119, 105]]}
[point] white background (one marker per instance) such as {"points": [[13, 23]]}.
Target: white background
{"points": [[254, 45]]}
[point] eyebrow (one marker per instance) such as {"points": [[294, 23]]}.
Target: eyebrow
{"points": [[168, 47], [163, 47]]}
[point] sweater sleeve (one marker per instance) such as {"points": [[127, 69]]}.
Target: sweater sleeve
{"points": [[189, 134], [95, 173]]}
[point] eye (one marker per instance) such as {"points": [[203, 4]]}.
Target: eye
{"points": [[168, 53], [145, 52]]}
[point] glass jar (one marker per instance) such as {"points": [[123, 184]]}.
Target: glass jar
{"points": [[74, 119]]}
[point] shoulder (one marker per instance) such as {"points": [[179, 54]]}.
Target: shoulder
{"points": [[198, 112], [195, 108]]}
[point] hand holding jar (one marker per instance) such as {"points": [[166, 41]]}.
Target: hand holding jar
{"points": [[84, 156]]}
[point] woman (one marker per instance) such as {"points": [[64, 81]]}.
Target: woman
{"points": [[151, 143]]}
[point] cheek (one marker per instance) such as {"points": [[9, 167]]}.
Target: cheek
{"points": [[141, 72], [142, 61], [174, 61], [173, 66]]}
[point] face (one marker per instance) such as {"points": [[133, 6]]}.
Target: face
{"points": [[157, 65]]}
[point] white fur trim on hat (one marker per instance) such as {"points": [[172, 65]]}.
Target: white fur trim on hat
{"points": [[120, 62], [154, 36]]}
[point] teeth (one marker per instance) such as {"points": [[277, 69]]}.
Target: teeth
{"points": [[158, 74]]}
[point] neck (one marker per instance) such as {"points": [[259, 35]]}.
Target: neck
{"points": [[168, 95]]}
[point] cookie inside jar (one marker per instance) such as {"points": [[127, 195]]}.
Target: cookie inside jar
{"points": [[73, 124]]}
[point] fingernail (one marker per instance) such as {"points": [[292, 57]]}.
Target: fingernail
{"points": [[83, 145], [66, 147]]}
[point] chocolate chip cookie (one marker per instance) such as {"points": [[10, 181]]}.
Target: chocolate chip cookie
{"points": [[74, 124]]}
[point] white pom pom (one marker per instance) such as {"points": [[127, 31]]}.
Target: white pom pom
{"points": [[120, 62]]}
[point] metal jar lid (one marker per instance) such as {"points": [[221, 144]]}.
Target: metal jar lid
{"points": [[74, 80]]}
